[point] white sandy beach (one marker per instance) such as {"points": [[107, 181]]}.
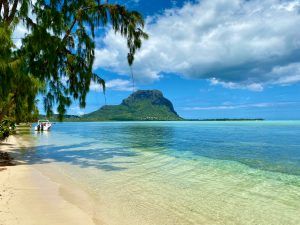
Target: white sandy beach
{"points": [[28, 197]]}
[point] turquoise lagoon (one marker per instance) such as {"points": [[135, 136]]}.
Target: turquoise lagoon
{"points": [[180, 172]]}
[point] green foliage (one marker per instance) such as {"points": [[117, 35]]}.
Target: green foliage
{"points": [[56, 57], [18, 89], [63, 51], [7, 127]]}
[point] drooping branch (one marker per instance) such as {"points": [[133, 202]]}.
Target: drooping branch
{"points": [[13, 11], [61, 44], [68, 32], [6, 9], [30, 22]]}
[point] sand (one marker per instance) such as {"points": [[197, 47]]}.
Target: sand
{"points": [[28, 197]]}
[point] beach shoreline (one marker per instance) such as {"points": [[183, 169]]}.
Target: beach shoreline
{"points": [[28, 196], [86, 174]]}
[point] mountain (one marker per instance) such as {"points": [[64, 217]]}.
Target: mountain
{"points": [[141, 105]]}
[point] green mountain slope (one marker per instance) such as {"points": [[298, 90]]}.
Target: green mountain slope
{"points": [[141, 105]]}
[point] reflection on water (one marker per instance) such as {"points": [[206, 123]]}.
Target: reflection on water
{"points": [[181, 172]]}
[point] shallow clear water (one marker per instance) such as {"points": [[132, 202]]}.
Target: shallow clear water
{"points": [[181, 172]]}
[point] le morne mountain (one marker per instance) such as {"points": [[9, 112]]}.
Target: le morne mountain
{"points": [[142, 105]]}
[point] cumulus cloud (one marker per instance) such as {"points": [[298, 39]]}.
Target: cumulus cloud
{"points": [[116, 85], [95, 87], [235, 85], [286, 74], [120, 85], [234, 43]]}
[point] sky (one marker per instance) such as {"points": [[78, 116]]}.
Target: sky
{"points": [[212, 59]]}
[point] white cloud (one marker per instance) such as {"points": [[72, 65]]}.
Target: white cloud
{"points": [[127, 2], [95, 87], [231, 106], [76, 111], [285, 75], [235, 85], [238, 43], [116, 85], [120, 85]]}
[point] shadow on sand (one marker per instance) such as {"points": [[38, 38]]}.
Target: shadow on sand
{"points": [[83, 155]]}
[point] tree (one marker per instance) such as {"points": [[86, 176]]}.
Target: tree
{"points": [[18, 89], [58, 52]]}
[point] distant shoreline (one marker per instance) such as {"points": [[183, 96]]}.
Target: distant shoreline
{"points": [[73, 118], [226, 119]]}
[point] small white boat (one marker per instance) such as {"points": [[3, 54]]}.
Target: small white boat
{"points": [[43, 125]]}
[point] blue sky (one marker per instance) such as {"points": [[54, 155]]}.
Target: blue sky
{"points": [[212, 59]]}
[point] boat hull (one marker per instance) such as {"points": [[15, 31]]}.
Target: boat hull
{"points": [[42, 128]]}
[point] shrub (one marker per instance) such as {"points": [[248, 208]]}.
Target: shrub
{"points": [[7, 127]]}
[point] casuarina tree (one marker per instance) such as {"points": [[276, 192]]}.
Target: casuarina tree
{"points": [[57, 53]]}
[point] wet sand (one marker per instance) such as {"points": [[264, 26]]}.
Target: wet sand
{"points": [[28, 197]]}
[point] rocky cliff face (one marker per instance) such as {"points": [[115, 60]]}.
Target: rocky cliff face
{"points": [[155, 97], [141, 105]]}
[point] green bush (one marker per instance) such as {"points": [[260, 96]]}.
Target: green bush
{"points": [[7, 127]]}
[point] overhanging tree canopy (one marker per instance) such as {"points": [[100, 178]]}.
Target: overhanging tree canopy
{"points": [[59, 47]]}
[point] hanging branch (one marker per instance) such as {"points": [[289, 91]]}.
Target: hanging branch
{"points": [[60, 43], [132, 78], [5, 9], [13, 12]]}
